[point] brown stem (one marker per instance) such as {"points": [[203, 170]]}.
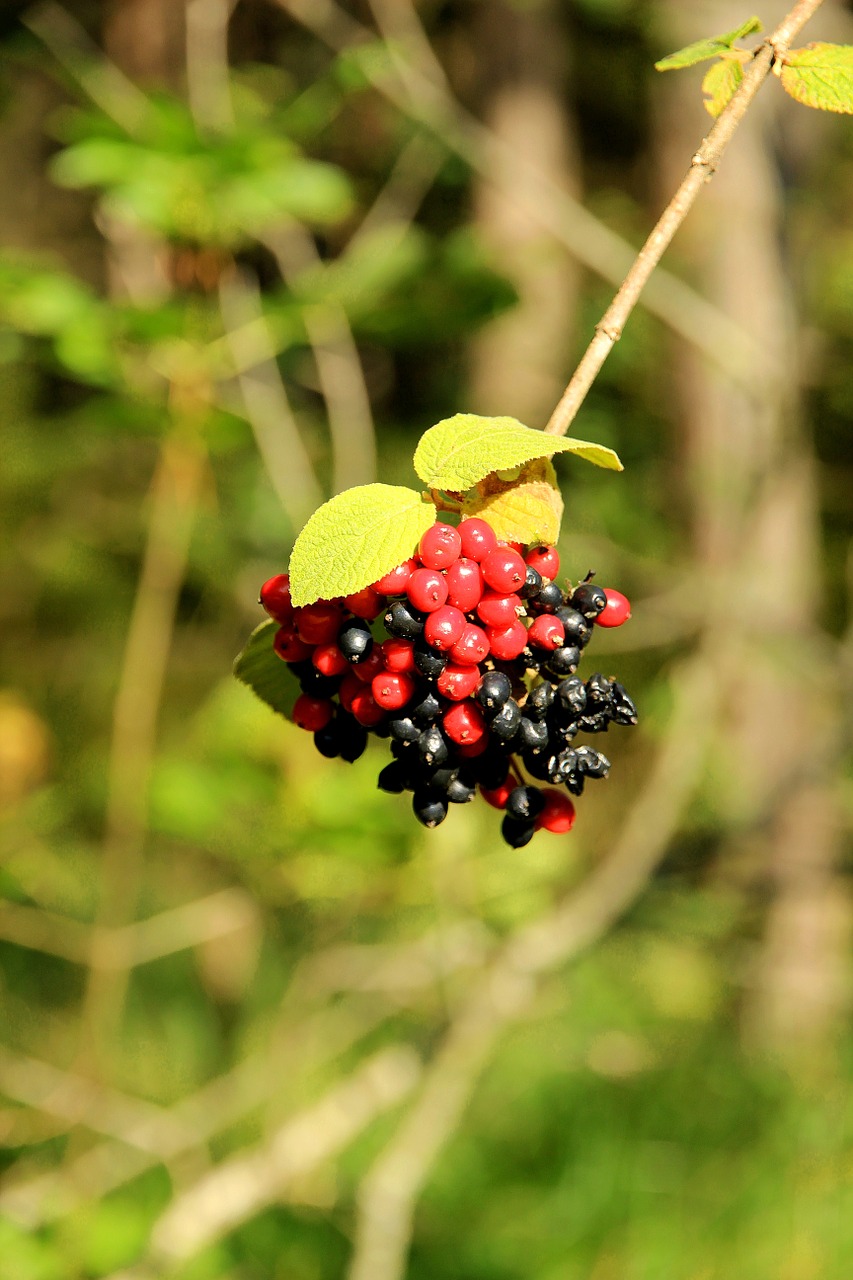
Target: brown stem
{"points": [[702, 167]]}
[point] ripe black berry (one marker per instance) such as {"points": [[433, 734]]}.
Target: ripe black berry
{"points": [[624, 711], [429, 661], [505, 724], [532, 735], [578, 630], [394, 778], [532, 583], [427, 710], [493, 690], [460, 789], [430, 806], [404, 729], [432, 746], [353, 738], [549, 598], [355, 640], [525, 803], [539, 701], [588, 599], [571, 695], [563, 661], [516, 834], [403, 621]]}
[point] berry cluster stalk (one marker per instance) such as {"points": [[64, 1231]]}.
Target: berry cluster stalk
{"points": [[608, 331]]}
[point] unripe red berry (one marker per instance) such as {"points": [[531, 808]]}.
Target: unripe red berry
{"points": [[507, 643], [312, 713], [365, 708], [469, 750], [616, 611], [329, 660], [504, 570], [545, 560], [464, 585], [427, 590], [559, 812], [443, 627], [275, 597], [288, 646], [370, 666], [498, 796], [546, 632], [457, 682], [478, 538], [398, 655], [318, 623], [471, 647], [440, 546], [366, 603], [392, 689], [498, 610], [464, 723], [394, 583]]}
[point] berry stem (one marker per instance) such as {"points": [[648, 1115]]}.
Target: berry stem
{"points": [[702, 167]]}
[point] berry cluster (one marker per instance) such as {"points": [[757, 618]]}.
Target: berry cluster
{"points": [[473, 679]]}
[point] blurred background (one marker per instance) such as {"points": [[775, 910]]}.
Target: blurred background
{"points": [[256, 1022]]}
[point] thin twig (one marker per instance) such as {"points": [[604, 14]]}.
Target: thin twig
{"points": [[264, 396], [702, 167], [391, 1187], [594, 245]]}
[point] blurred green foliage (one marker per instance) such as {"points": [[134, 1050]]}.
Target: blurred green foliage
{"points": [[623, 1130]]}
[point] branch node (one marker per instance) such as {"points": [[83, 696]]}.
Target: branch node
{"points": [[613, 332]]}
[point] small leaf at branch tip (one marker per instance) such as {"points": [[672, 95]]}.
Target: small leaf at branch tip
{"points": [[704, 50], [460, 451], [260, 668], [820, 75], [721, 83], [355, 538]]}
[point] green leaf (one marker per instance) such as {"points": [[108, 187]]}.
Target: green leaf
{"points": [[260, 667], [721, 83], [703, 50], [355, 538], [527, 510], [820, 75], [458, 452]]}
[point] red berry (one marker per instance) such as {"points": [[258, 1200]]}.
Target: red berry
{"points": [[478, 538], [616, 611], [546, 632], [350, 686], [329, 660], [464, 723], [392, 689], [275, 597], [371, 666], [365, 708], [498, 796], [471, 749], [440, 546], [559, 812], [288, 646], [464, 585], [394, 583], [366, 603], [427, 590], [471, 647], [498, 610], [444, 627], [399, 655], [507, 643], [545, 560], [457, 683], [504, 570], [312, 713], [318, 623]]}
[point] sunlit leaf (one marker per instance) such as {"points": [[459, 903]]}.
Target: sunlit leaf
{"points": [[721, 83], [710, 47], [355, 538], [527, 510], [821, 76], [458, 452]]}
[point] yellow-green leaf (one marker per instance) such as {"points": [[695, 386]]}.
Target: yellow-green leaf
{"points": [[821, 76], [260, 667], [460, 451], [710, 47], [721, 83], [355, 538], [527, 510]]}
